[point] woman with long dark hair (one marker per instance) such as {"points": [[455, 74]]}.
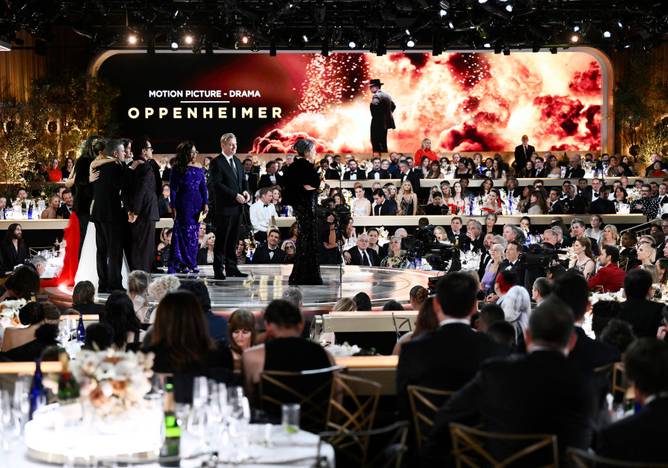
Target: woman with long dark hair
{"points": [[300, 183], [189, 200], [119, 314], [13, 250]]}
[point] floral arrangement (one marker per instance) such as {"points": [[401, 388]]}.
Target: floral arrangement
{"points": [[609, 296], [508, 203], [112, 381], [383, 235], [470, 260], [632, 194], [11, 308]]}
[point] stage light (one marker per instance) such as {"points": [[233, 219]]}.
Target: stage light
{"points": [[509, 8], [410, 43], [174, 45], [352, 45], [442, 12], [132, 39], [305, 39], [575, 38], [487, 45], [607, 34], [576, 28], [188, 39]]}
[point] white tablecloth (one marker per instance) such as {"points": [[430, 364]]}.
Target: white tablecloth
{"points": [[295, 450]]}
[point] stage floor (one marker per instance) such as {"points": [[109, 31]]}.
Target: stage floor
{"points": [[268, 282]]}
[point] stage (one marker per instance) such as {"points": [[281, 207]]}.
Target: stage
{"points": [[268, 282]]}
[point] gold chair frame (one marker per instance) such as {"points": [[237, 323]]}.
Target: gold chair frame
{"points": [[418, 394]]}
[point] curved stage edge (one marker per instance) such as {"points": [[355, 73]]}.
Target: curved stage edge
{"points": [[268, 282]]}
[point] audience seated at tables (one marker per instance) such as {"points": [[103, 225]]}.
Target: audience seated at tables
{"points": [[644, 315], [436, 359], [138, 292], [392, 305], [609, 277], [417, 296], [361, 254], [83, 299], [119, 314], [33, 315], [540, 392], [284, 349], [541, 289], [241, 334], [22, 283], [99, 337], [216, 324], [181, 344], [362, 302], [424, 323], [640, 438], [270, 251], [13, 248]]}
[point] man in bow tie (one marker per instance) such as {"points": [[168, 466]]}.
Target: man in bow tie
{"points": [[261, 213]]}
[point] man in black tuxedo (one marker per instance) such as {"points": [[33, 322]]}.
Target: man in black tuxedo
{"points": [[644, 315], [383, 206], [662, 197], [270, 251], [272, 177], [641, 437], [354, 172], [540, 392], [361, 254], [436, 207], [540, 171], [451, 355], [141, 204], [108, 215], [376, 171], [410, 175], [591, 193], [250, 176], [230, 191], [664, 228], [513, 262], [65, 209], [602, 205], [574, 170], [381, 108], [457, 234], [523, 152]]}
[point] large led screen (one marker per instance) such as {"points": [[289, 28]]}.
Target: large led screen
{"points": [[462, 101]]}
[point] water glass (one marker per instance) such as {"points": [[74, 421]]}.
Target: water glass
{"points": [[290, 418], [200, 392]]}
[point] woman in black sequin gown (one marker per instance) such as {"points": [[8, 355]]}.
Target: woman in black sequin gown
{"points": [[300, 190]]}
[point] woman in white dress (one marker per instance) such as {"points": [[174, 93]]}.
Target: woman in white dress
{"points": [[360, 205]]}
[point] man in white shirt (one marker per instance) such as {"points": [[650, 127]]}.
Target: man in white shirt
{"points": [[261, 213]]}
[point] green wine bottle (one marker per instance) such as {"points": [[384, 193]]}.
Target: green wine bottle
{"points": [[171, 447], [68, 388]]}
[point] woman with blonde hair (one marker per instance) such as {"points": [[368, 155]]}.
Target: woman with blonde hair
{"points": [[408, 202], [609, 236], [345, 304]]}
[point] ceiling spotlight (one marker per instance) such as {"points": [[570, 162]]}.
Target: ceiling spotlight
{"points": [[575, 38], [188, 39], [410, 43], [132, 39], [576, 28], [442, 12], [482, 1], [487, 45], [450, 25], [509, 8], [174, 45], [607, 34], [352, 44], [305, 38], [245, 39]]}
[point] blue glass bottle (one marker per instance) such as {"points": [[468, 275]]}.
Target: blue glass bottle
{"points": [[37, 394], [29, 210], [81, 330]]}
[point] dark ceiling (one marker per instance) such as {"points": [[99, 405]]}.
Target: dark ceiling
{"points": [[328, 25]]}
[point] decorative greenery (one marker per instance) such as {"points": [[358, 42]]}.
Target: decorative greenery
{"points": [[59, 115]]}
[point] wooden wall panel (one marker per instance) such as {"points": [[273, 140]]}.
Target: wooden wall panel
{"points": [[18, 68]]}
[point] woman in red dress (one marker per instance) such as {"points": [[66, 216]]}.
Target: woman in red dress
{"points": [[425, 152]]}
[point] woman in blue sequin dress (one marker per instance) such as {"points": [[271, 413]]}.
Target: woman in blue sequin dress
{"points": [[188, 200]]}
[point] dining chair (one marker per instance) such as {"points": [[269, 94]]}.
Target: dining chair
{"points": [[473, 447], [425, 402]]}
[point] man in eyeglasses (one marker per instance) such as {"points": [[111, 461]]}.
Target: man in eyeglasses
{"points": [[647, 204]]}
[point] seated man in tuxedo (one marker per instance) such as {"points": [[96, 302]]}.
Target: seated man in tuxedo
{"points": [[644, 315], [436, 207], [270, 251], [354, 172], [574, 170], [261, 213], [66, 207], [361, 254], [456, 233], [450, 356], [382, 206], [410, 175], [641, 438], [272, 177], [377, 172], [513, 262], [540, 392], [602, 204]]}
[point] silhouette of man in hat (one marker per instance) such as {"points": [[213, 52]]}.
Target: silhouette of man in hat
{"points": [[382, 107]]}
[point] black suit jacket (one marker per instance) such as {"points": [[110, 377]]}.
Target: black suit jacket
{"points": [[332, 174], [359, 172], [141, 198], [356, 256], [638, 438], [82, 190], [519, 268], [643, 315], [520, 157], [589, 354], [252, 182], [225, 187], [601, 206], [261, 255], [388, 208], [64, 212], [414, 178], [107, 206], [383, 174], [446, 358], [265, 181], [436, 210], [10, 257], [574, 173], [537, 393]]}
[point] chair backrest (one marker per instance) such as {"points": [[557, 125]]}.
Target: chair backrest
{"points": [[312, 389], [387, 445], [582, 459], [425, 402], [352, 409], [620, 385], [474, 447]]}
